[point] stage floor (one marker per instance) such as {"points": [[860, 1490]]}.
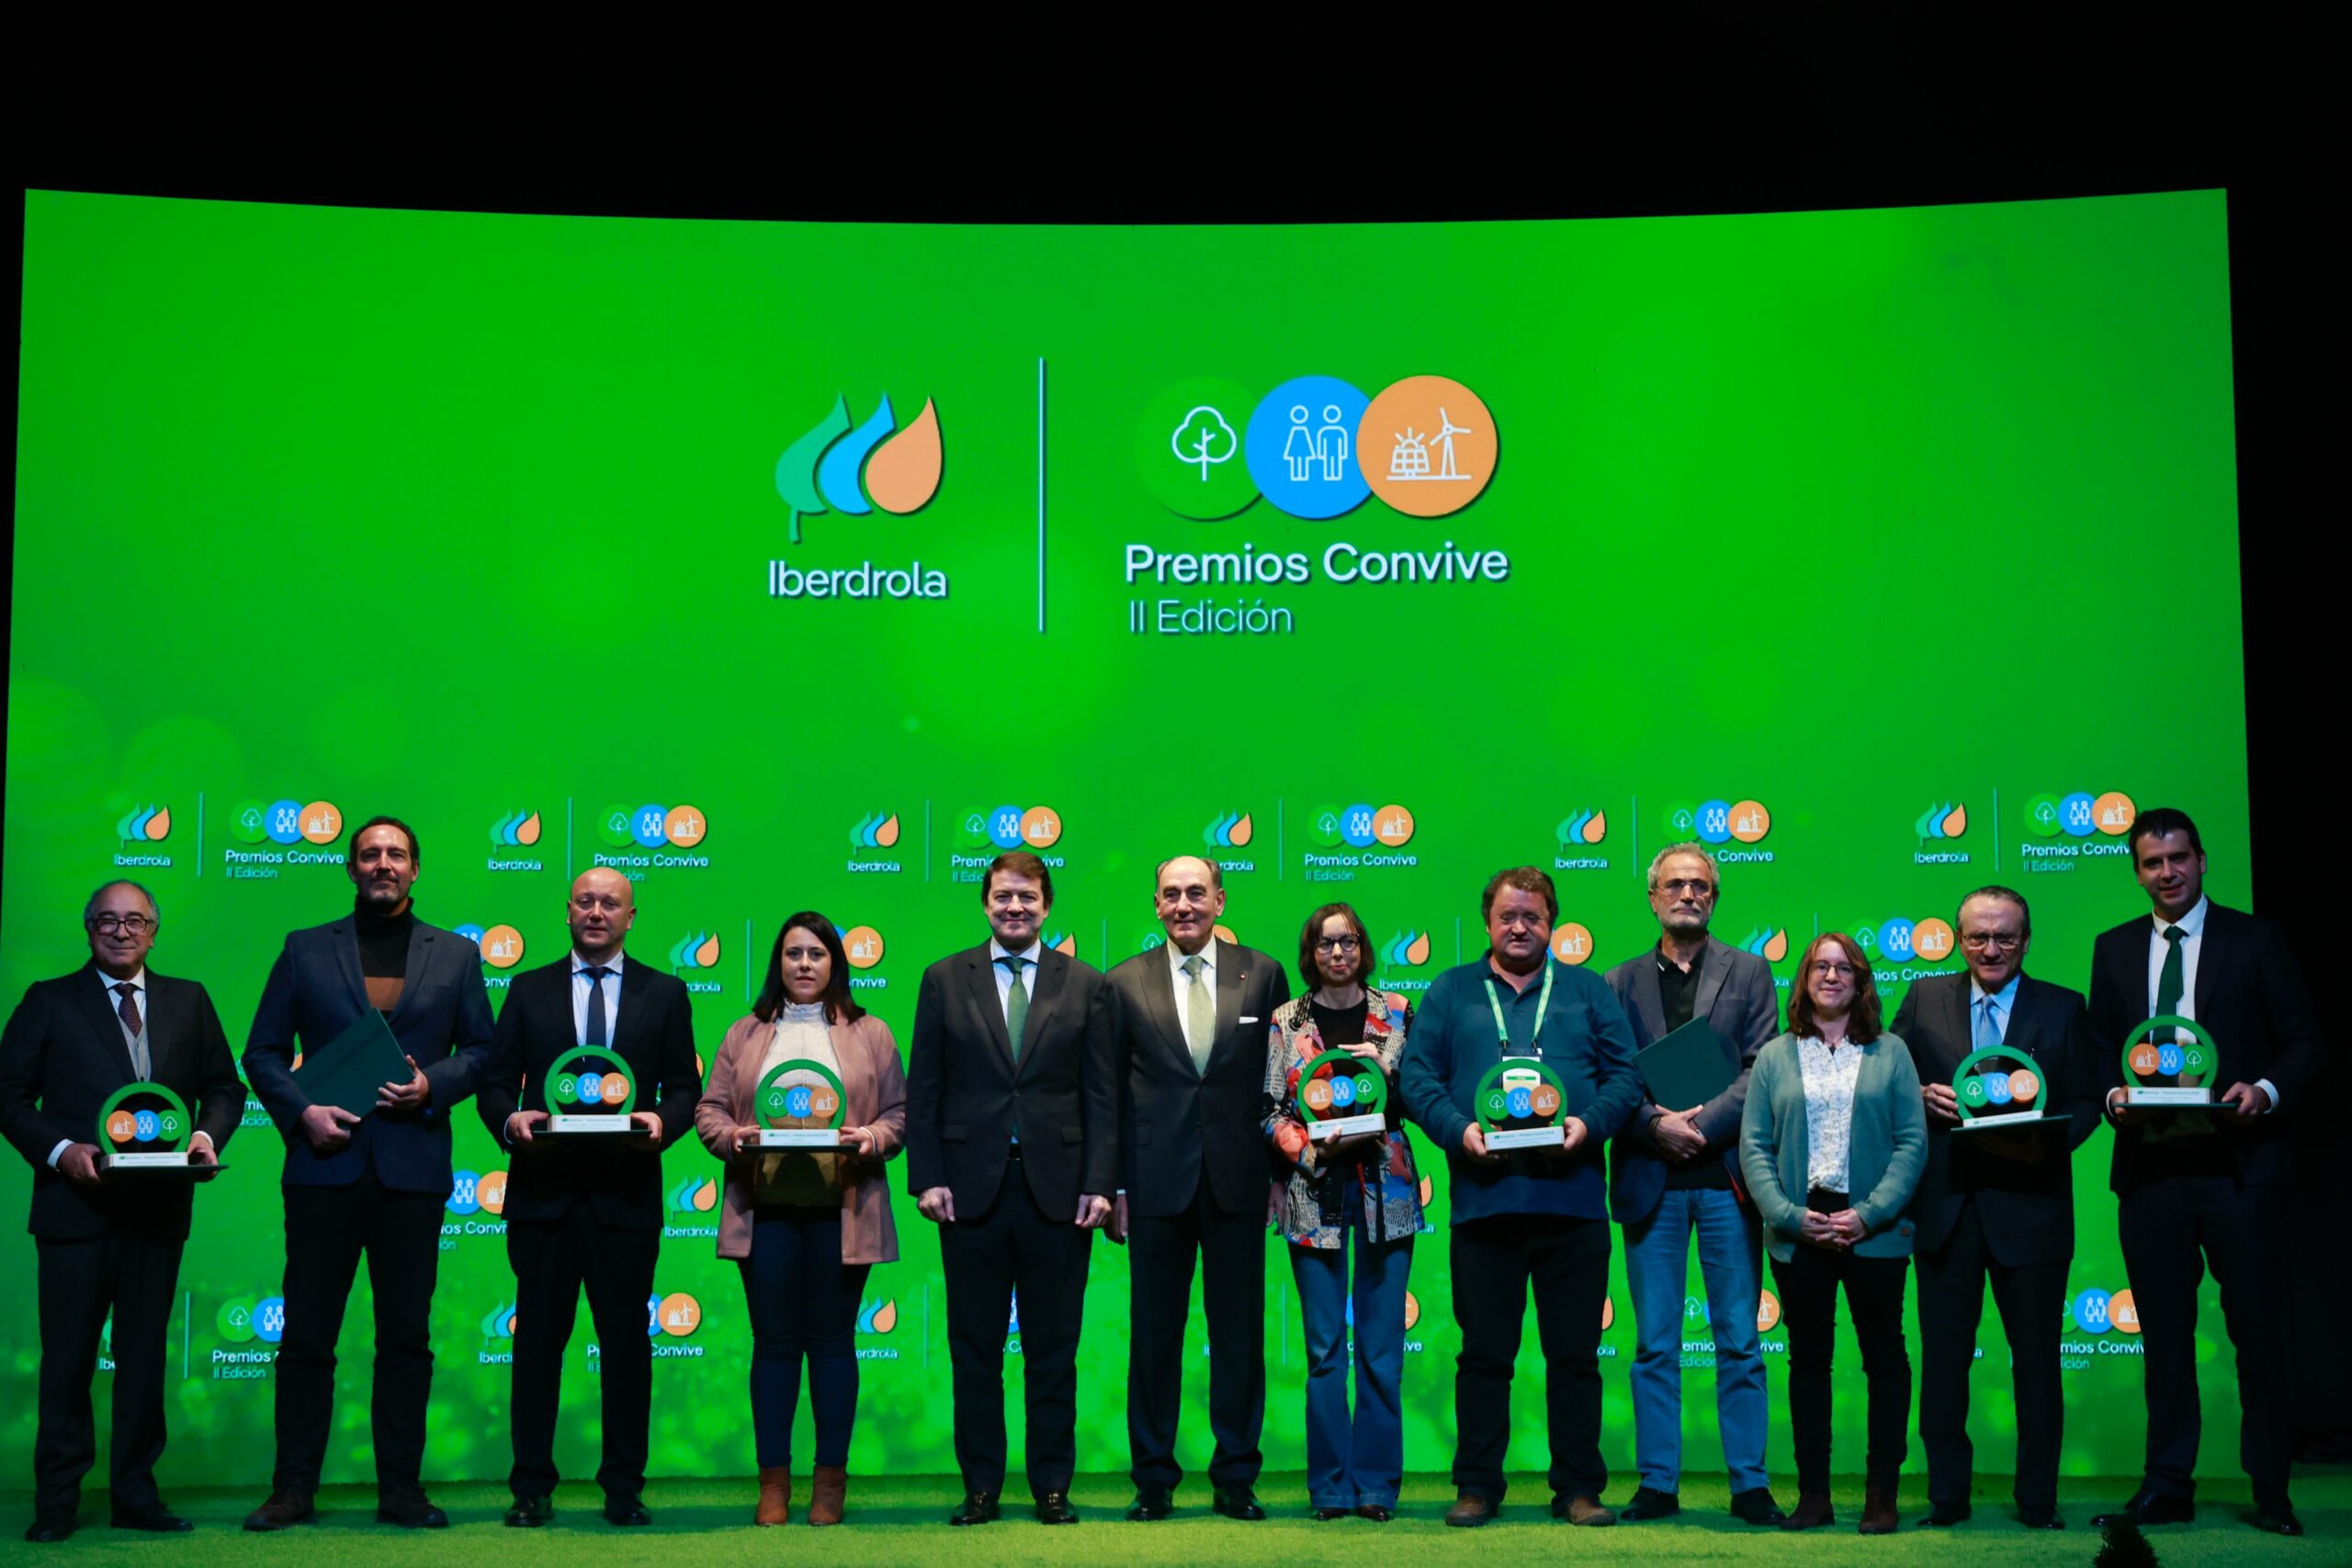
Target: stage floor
{"points": [[896, 1522]]}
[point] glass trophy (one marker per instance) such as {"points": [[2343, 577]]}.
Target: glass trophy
{"points": [[1520, 1105]]}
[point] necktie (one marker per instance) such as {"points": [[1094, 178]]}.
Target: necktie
{"points": [[2168, 978], [598, 1031], [137, 1030], [1988, 1023], [1016, 1002], [1200, 1015]]}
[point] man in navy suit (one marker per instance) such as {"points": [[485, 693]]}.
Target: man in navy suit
{"points": [[2199, 1189], [586, 1210], [108, 1245], [373, 1185], [1996, 1206]]}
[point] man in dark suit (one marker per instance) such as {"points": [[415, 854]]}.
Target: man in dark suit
{"points": [[585, 1210], [1997, 1205], [375, 1184], [1193, 1022], [1670, 1178], [108, 1245], [2199, 1189], [1012, 1151]]}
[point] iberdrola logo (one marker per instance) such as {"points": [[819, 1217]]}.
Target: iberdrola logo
{"points": [[696, 951], [833, 468], [875, 830], [1770, 943], [1585, 827], [516, 829], [1231, 831], [149, 824], [1945, 821], [1410, 949]]}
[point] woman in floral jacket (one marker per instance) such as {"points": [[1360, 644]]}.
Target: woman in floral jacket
{"points": [[1360, 1184]]}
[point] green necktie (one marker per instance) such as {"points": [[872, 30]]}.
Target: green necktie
{"points": [[1016, 1002], [2168, 978], [1200, 1015]]}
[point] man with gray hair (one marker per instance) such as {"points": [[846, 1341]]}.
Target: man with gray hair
{"points": [[1671, 1175], [107, 1246]]}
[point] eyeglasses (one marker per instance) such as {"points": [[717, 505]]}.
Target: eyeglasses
{"points": [[1531, 921], [134, 924], [1999, 942], [1336, 944], [1680, 885], [1828, 966]]}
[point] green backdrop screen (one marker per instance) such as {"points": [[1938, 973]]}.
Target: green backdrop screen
{"points": [[852, 551]]}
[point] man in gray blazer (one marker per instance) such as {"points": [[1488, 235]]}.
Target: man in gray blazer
{"points": [[1672, 1173]]}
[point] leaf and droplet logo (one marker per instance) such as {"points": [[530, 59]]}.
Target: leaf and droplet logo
{"points": [[1769, 943], [876, 466], [149, 824], [1230, 832], [878, 1316], [1580, 829], [696, 950], [1946, 821], [516, 829], [1410, 949], [875, 830]]}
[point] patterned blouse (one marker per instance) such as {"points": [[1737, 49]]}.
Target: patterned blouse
{"points": [[1829, 1111], [1309, 1205]]}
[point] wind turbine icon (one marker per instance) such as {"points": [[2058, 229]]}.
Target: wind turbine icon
{"points": [[1445, 435]]}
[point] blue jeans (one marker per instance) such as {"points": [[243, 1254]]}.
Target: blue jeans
{"points": [[803, 1301], [1657, 1270], [1352, 1462]]}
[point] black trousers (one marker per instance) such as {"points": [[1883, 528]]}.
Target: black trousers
{"points": [[1809, 1285], [553, 1259], [1015, 1246], [1232, 1253], [1494, 1262], [80, 1282], [2173, 1229], [327, 1229], [2031, 1299]]}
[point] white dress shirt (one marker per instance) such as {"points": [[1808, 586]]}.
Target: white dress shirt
{"points": [[580, 987], [1003, 972], [138, 983], [2193, 947], [1181, 981]]}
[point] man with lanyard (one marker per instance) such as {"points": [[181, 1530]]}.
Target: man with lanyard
{"points": [[1537, 1218]]}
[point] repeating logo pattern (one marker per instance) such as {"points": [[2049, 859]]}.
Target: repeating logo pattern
{"points": [[2079, 814], [875, 830], [696, 950], [149, 824], [516, 829], [1946, 821], [854, 472], [245, 1319], [2096, 1310], [1230, 832], [1012, 827], [1720, 821], [1901, 939], [652, 827], [1360, 826], [287, 821], [1407, 949], [1582, 828], [1571, 943], [1769, 942], [501, 946]]}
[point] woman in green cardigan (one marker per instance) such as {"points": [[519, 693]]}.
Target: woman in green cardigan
{"points": [[1831, 1144]]}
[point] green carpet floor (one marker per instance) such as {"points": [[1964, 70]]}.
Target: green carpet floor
{"points": [[898, 1523]]}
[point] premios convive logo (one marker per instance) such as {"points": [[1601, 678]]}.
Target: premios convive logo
{"points": [[1350, 838], [980, 836], [302, 830], [250, 1327], [477, 1198], [832, 468], [1718, 821], [864, 948], [646, 836], [502, 949], [2062, 829], [1578, 833], [1697, 1314], [1572, 942], [138, 831], [1317, 448], [513, 835], [2097, 1310], [1896, 945]]}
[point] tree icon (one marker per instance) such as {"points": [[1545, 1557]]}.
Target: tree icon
{"points": [[1203, 438]]}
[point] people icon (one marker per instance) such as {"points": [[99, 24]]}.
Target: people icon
{"points": [[1298, 446], [1332, 444]]}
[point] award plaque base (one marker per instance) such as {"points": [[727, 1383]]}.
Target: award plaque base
{"points": [[826, 1139], [1342, 1126], [2012, 1119], [2174, 1100], [1525, 1138], [174, 1163], [592, 1126]]}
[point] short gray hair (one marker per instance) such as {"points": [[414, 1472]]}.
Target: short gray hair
{"points": [[90, 905], [1217, 871], [1701, 850]]}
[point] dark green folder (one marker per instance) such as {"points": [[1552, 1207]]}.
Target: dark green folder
{"points": [[349, 1069], [1688, 1068]]}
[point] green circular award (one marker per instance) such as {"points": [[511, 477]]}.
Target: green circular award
{"points": [[2000, 1086], [1521, 1104], [144, 1126], [800, 1105], [591, 1093], [1341, 1093], [2170, 1061]]}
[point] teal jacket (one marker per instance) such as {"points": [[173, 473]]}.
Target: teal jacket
{"points": [[1889, 1146]]}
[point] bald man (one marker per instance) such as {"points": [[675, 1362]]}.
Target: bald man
{"points": [[582, 1209]]}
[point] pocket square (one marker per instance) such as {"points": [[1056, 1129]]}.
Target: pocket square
{"points": [[1249, 1018]]}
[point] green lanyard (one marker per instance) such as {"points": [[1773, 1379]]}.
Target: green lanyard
{"points": [[1542, 1005]]}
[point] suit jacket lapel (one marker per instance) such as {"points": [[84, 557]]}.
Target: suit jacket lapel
{"points": [[1958, 1006], [105, 1027], [345, 934], [420, 958], [1712, 976], [1651, 999], [1159, 1002], [1229, 978], [2213, 951], [980, 977], [1052, 968], [162, 1024]]}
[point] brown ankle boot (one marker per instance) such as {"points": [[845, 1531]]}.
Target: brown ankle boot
{"points": [[775, 1496], [826, 1493], [1878, 1511], [1813, 1510]]}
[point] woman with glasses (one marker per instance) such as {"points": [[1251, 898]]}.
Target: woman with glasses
{"points": [[1831, 1144], [1359, 1186], [805, 1228]]}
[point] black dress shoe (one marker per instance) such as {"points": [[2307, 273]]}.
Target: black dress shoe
{"points": [[1054, 1508], [152, 1518], [53, 1524], [2041, 1519], [530, 1513], [1237, 1502], [1756, 1506], [626, 1511], [1378, 1513], [2150, 1509], [1945, 1514], [410, 1510], [1325, 1516], [977, 1509], [1152, 1503], [286, 1505], [2276, 1522], [1649, 1503]]}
